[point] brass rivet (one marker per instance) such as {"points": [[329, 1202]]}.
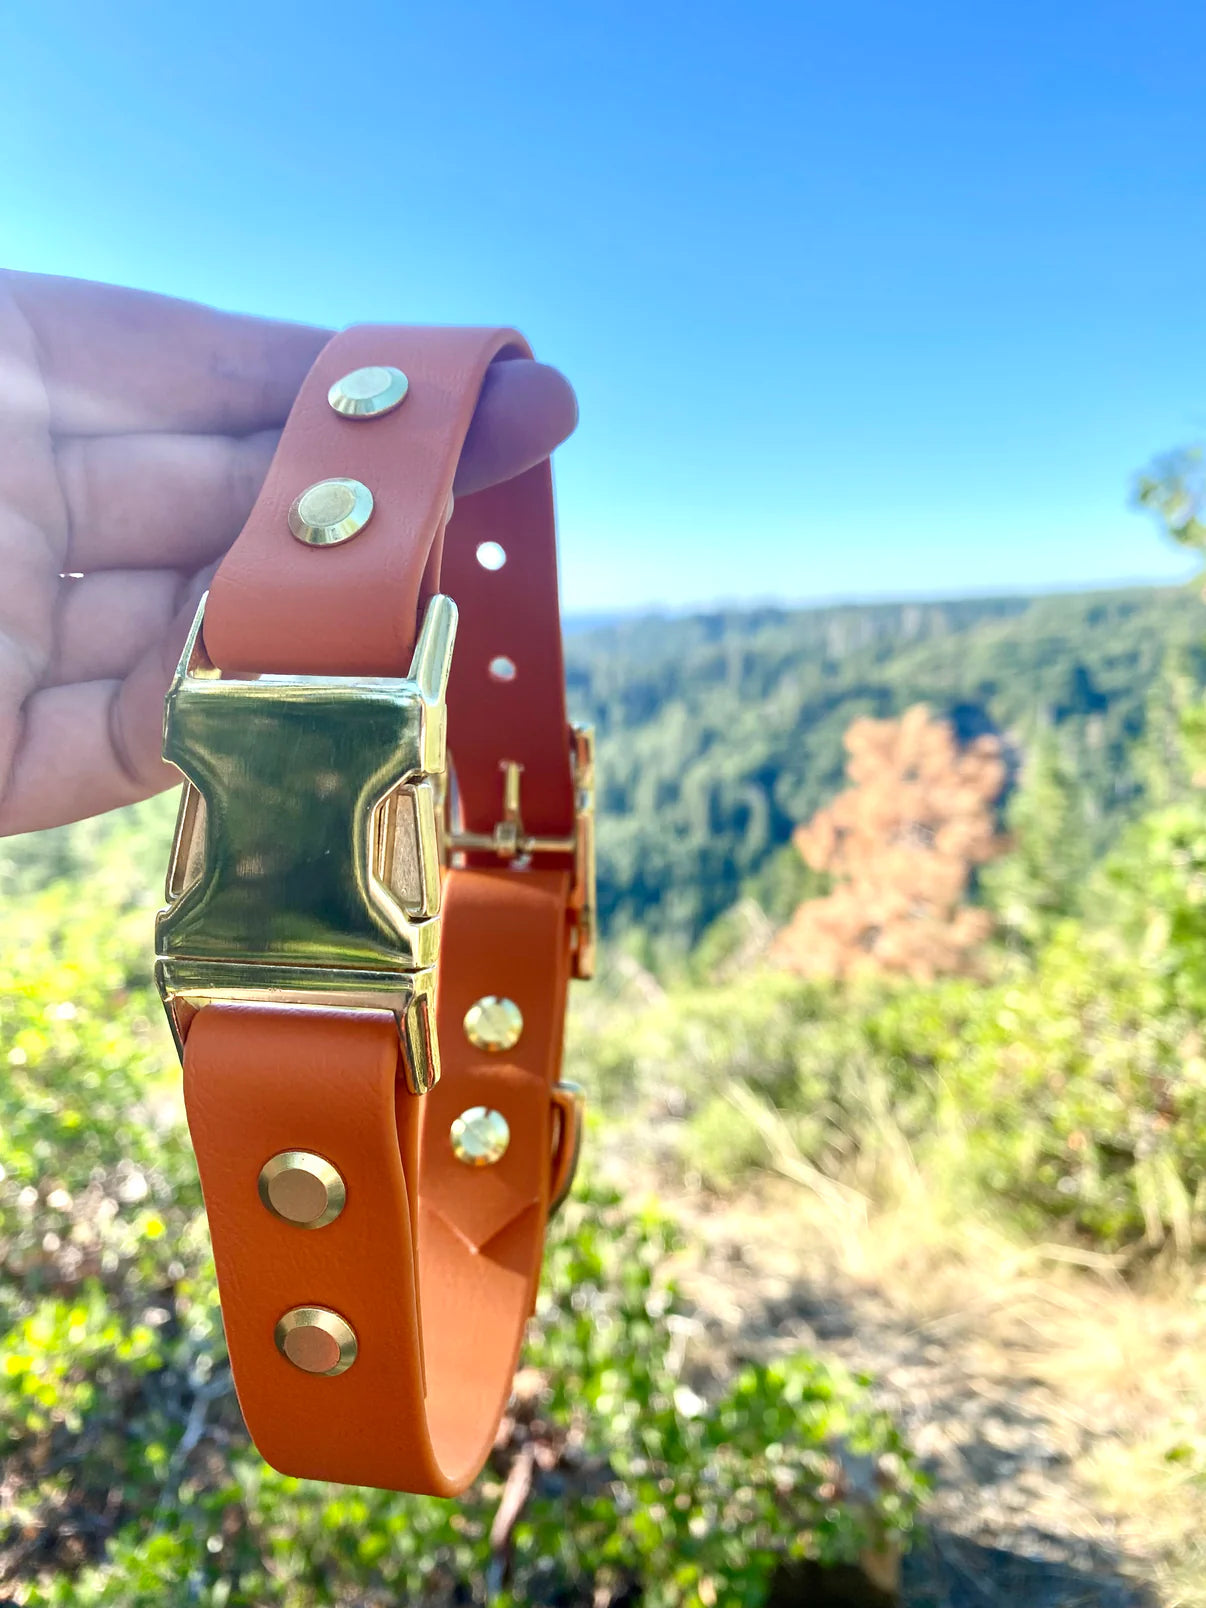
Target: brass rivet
{"points": [[330, 511], [480, 1136], [302, 1188], [367, 393], [493, 1024], [316, 1340]]}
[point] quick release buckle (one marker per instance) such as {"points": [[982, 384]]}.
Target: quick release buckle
{"points": [[306, 862]]}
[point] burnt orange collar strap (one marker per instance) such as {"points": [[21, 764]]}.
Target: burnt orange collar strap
{"points": [[381, 884]]}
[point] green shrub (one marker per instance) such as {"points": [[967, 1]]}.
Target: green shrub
{"points": [[1069, 1093], [636, 1477], [54, 1361], [1081, 1097], [129, 1477], [95, 1169]]}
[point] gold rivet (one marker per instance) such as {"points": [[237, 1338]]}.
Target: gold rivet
{"points": [[480, 1136], [330, 511], [493, 1024], [302, 1188], [316, 1340], [367, 393]]}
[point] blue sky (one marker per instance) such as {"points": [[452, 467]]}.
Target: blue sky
{"points": [[860, 298]]}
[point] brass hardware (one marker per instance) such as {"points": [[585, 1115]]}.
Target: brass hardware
{"points": [[300, 1187], [480, 1136], [493, 1024], [585, 865], [311, 874], [406, 857], [330, 512], [316, 1340], [569, 1102], [367, 393], [509, 841], [430, 667], [188, 848]]}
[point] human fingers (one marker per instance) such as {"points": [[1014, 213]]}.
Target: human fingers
{"points": [[146, 501], [93, 746], [149, 500], [525, 410], [89, 746], [105, 621], [117, 361], [114, 360]]}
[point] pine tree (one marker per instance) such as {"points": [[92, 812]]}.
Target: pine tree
{"points": [[1050, 847]]}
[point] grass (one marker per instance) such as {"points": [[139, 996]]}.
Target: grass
{"points": [[1102, 1351], [1112, 1373]]}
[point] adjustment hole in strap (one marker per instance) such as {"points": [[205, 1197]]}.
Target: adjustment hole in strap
{"points": [[501, 668], [491, 555]]}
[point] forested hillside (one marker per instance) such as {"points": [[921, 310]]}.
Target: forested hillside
{"points": [[719, 733]]}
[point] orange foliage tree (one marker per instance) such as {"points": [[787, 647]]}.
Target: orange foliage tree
{"points": [[900, 845]]}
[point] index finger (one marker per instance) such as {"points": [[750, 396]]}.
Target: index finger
{"points": [[116, 361]]}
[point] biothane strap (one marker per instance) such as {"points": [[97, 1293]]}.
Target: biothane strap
{"points": [[425, 1277]]}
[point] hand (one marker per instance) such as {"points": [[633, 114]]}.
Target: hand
{"points": [[135, 432]]}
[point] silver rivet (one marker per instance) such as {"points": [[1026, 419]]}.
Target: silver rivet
{"points": [[367, 393], [316, 1340], [493, 1024], [330, 511], [480, 1136], [301, 1188]]}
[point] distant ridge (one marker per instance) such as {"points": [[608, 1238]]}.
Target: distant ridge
{"points": [[720, 730], [576, 622]]}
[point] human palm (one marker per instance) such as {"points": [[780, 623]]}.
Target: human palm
{"points": [[135, 432]]}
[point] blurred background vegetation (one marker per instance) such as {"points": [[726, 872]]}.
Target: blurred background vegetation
{"points": [[1054, 1085], [722, 732]]}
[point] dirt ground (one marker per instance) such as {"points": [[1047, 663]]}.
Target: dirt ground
{"points": [[1040, 1396]]}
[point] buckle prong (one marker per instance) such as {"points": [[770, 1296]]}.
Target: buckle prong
{"points": [[508, 841]]}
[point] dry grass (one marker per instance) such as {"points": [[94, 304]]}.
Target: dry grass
{"points": [[1122, 1366], [1112, 1366]]}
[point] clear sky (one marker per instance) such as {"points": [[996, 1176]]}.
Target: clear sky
{"points": [[860, 297]]}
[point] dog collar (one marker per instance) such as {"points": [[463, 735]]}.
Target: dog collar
{"points": [[381, 882]]}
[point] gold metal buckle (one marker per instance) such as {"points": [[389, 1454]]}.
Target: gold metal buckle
{"points": [[569, 1102], [510, 842], [306, 867]]}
